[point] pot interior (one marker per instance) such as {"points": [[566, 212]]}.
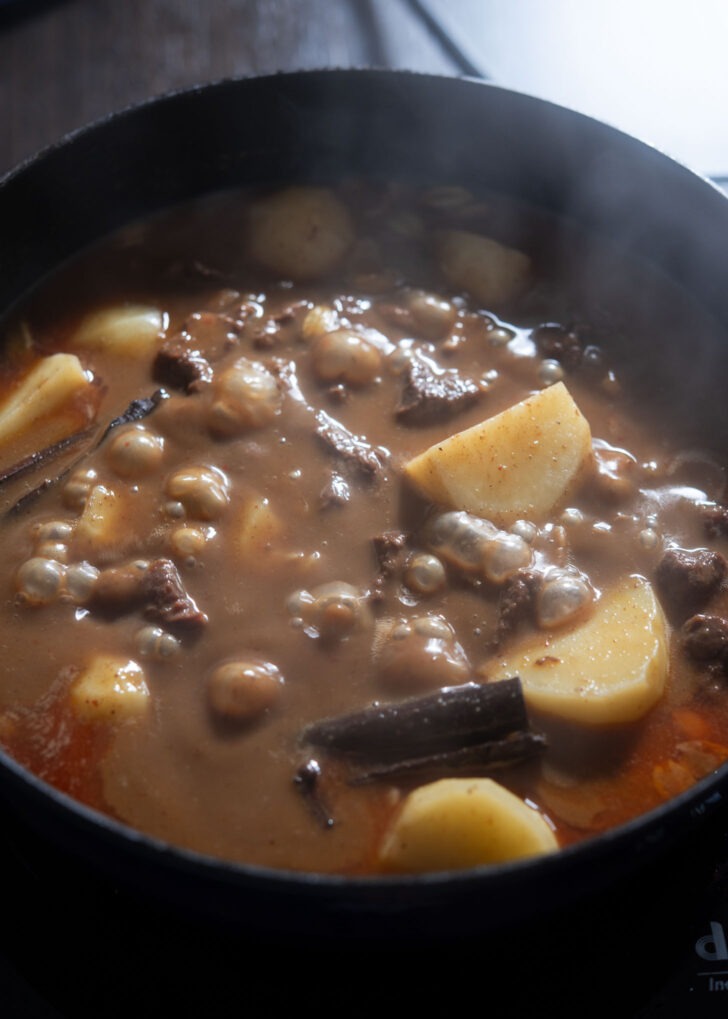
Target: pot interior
{"points": [[321, 127]]}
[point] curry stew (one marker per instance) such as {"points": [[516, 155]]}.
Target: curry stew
{"points": [[338, 536]]}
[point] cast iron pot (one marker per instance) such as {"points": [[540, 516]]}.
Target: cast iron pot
{"points": [[318, 126]]}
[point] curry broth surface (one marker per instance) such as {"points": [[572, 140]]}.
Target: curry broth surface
{"points": [[190, 777]]}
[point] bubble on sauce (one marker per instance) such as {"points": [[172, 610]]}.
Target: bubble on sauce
{"points": [[39, 581], [78, 487], [418, 653], [330, 611], [80, 580], [563, 596], [158, 644]]}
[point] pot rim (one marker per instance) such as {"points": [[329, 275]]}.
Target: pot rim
{"points": [[137, 107]]}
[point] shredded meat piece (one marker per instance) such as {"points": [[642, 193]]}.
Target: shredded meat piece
{"points": [[389, 548], [157, 589], [354, 451], [715, 518], [431, 394], [165, 597], [281, 327], [336, 492], [181, 367], [516, 604]]}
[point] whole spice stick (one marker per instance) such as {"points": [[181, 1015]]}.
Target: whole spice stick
{"points": [[454, 717]]}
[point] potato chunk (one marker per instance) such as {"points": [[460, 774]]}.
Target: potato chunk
{"points": [[463, 822], [300, 233], [611, 669], [100, 526], [129, 329], [44, 405], [110, 689], [491, 272], [258, 533], [520, 463]]}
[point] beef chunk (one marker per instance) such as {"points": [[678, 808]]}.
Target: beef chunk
{"points": [[282, 327], [156, 589], [715, 519], [705, 638], [389, 548], [180, 367], [336, 492], [688, 578], [166, 600], [516, 604], [432, 394], [352, 450]]}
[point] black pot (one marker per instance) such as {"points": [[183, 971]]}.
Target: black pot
{"points": [[427, 130]]}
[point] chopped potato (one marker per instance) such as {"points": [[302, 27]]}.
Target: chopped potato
{"points": [[611, 669], [99, 526], [259, 528], [464, 822], [300, 233], [45, 405], [128, 329], [519, 464], [110, 689], [491, 272]]}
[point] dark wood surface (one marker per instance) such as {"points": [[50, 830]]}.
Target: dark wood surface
{"points": [[65, 63], [654, 69]]}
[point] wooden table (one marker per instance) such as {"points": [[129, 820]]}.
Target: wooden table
{"points": [[65, 63]]}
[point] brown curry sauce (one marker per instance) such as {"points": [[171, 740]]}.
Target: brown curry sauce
{"points": [[325, 467]]}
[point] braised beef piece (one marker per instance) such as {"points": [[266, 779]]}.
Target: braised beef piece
{"points": [[214, 333], [516, 604], [689, 577], [166, 598], [281, 327], [431, 394], [715, 518], [705, 638], [156, 589], [355, 452], [389, 548], [336, 492], [180, 367]]}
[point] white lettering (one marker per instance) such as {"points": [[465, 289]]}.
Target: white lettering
{"points": [[713, 946]]}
